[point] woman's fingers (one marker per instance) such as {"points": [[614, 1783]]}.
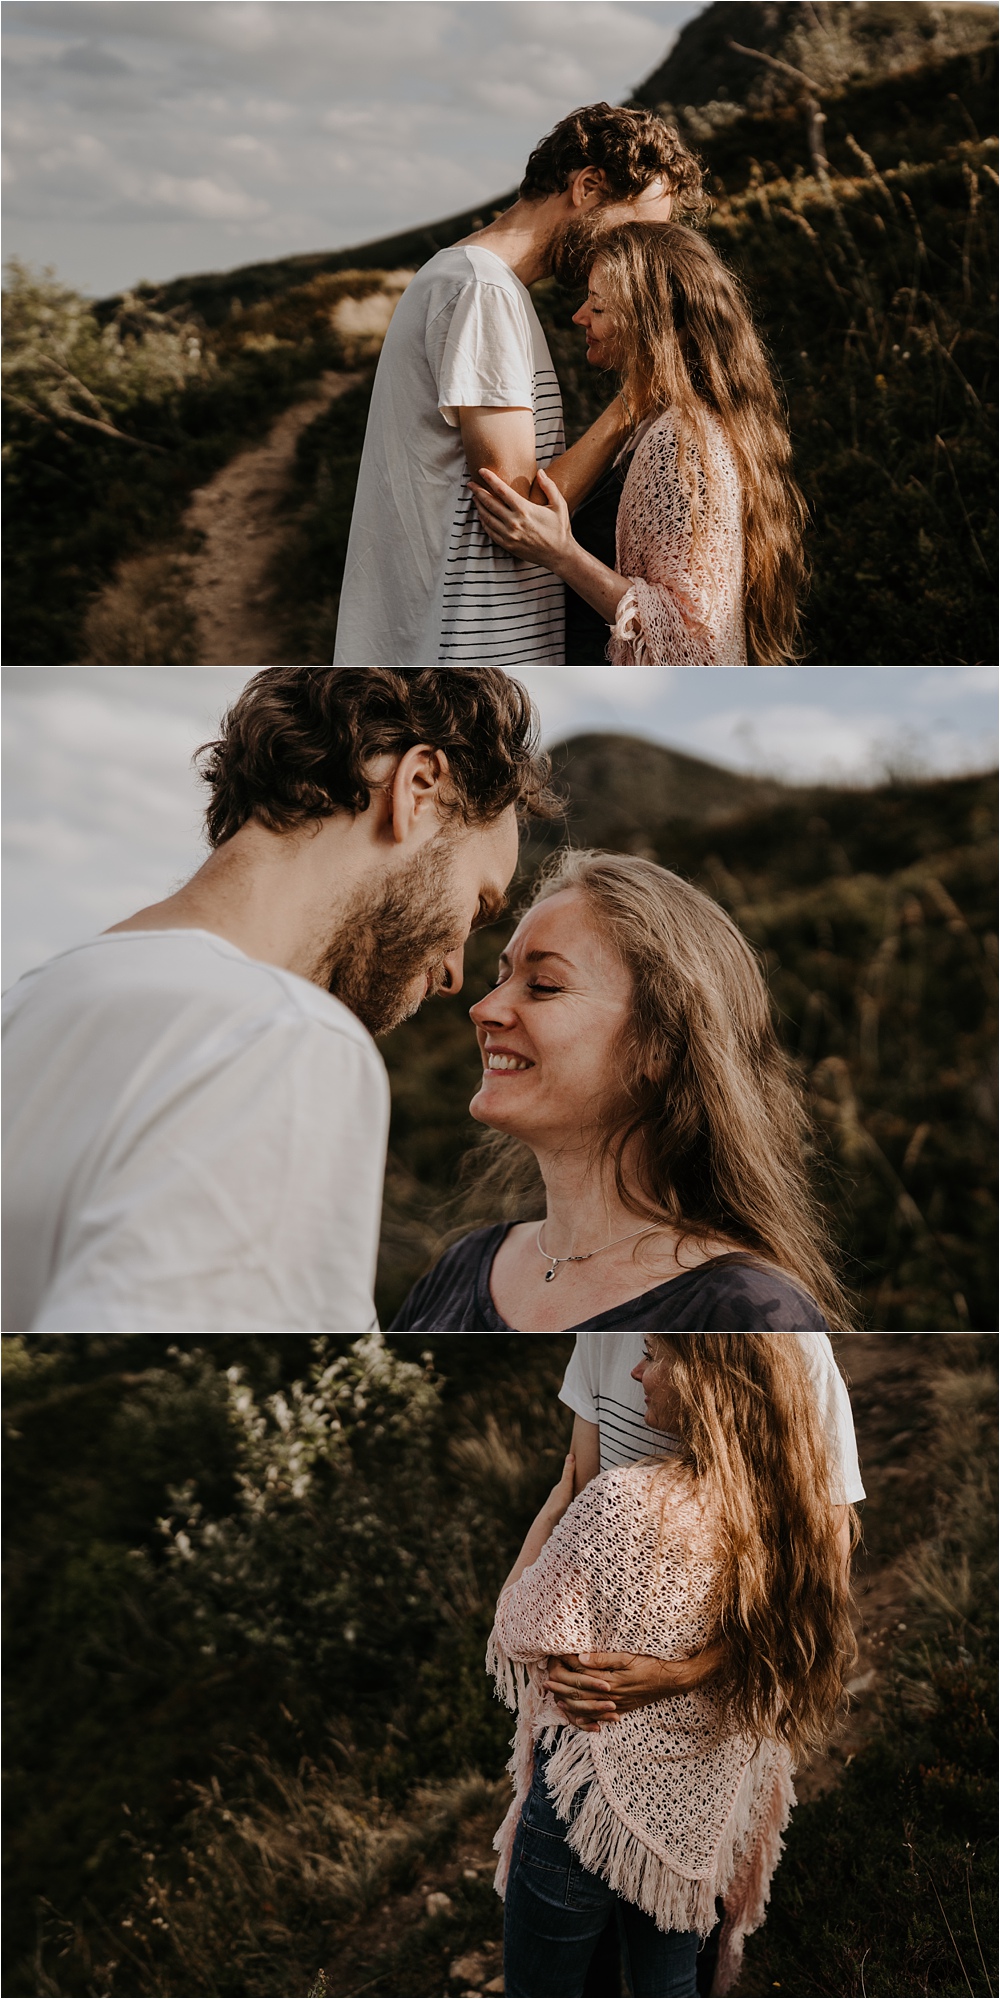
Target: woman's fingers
{"points": [[549, 488]]}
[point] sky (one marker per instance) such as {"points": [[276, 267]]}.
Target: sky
{"points": [[102, 808], [153, 138]]}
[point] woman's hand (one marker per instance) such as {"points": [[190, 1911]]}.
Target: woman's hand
{"points": [[537, 534]]}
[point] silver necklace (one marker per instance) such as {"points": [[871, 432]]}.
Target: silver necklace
{"points": [[554, 1262]]}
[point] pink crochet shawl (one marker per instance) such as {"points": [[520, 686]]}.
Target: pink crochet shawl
{"points": [[669, 1805], [680, 609]]}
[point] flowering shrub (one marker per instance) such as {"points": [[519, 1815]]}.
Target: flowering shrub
{"points": [[61, 366], [341, 1551]]}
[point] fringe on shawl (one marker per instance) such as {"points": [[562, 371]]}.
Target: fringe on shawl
{"points": [[510, 1679], [749, 1892], [515, 1690], [606, 1846]]}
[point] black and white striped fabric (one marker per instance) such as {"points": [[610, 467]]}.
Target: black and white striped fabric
{"points": [[423, 583], [599, 1387], [495, 609]]}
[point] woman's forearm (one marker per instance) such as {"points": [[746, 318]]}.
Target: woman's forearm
{"points": [[592, 580], [533, 1543], [577, 471], [547, 1518]]}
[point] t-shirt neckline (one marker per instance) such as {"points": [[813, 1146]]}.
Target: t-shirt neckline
{"points": [[482, 251]]}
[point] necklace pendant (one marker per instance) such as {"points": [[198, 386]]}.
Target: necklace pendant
{"points": [[550, 1275]]}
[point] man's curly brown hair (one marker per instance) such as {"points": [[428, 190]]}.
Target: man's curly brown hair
{"points": [[630, 146], [299, 742]]}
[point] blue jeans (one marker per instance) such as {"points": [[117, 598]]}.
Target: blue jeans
{"points": [[556, 1912]]}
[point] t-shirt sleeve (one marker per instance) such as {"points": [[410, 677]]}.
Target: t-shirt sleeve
{"points": [[479, 352], [579, 1389], [251, 1203], [742, 1298], [837, 1415]]}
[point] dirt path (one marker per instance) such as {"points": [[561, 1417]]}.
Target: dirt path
{"points": [[243, 517]]}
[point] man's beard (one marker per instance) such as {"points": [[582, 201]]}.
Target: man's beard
{"points": [[388, 940]]}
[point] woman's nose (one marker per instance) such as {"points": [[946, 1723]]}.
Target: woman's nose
{"points": [[581, 318], [639, 1369], [489, 1012]]}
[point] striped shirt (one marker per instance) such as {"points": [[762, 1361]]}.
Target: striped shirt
{"points": [[423, 582], [599, 1387]]}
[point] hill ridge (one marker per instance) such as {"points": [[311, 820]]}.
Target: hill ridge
{"points": [[701, 53]]}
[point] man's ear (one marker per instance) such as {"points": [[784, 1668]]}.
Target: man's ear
{"points": [[415, 795], [587, 187]]}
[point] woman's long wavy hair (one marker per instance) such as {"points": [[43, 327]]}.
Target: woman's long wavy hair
{"points": [[705, 1125], [686, 342], [750, 1429]]}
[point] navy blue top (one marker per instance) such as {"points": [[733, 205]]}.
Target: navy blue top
{"points": [[729, 1294]]}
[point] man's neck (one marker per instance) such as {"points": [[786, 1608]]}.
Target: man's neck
{"points": [[522, 237], [267, 893]]}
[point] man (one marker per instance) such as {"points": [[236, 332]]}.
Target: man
{"points": [[465, 382], [196, 1114], [609, 1428]]}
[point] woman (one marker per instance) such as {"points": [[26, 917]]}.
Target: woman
{"points": [[709, 555], [653, 1819], [647, 1127]]}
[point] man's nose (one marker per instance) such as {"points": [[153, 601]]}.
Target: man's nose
{"points": [[454, 972]]}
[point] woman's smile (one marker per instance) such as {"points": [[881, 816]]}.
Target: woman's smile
{"points": [[504, 1062]]}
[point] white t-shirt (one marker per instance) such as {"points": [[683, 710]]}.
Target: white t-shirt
{"points": [[423, 582], [599, 1387], [193, 1142]]}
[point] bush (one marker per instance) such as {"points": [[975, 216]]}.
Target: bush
{"points": [[276, 1567]]}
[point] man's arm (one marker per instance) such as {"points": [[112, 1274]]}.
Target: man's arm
{"points": [[586, 1449], [503, 441], [500, 440]]}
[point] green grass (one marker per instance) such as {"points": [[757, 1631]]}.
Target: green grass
{"points": [[273, 1829]]}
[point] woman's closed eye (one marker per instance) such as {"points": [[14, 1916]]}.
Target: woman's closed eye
{"points": [[534, 985]]}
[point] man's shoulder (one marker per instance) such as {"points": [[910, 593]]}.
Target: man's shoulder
{"points": [[122, 969], [466, 267]]}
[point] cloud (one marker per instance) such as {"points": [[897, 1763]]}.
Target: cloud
{"points": [[390, 113], [103, 806], [206, 199], [90, 59]]}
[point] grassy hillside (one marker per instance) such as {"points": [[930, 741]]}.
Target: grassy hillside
{"points": [[875, 292], [872, 280], [248, 1728], [873, 913]]}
